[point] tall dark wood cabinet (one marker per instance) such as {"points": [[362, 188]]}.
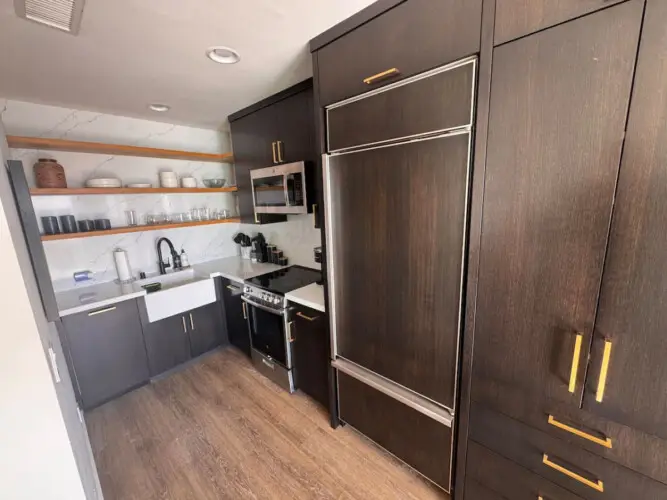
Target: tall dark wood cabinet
{"points": [[396, 128], [276, 130], [567, 337]]}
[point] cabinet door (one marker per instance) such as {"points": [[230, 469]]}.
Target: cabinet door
{"points": [[235, 315], [310, 332], [632, 317], [252, 138], [167, 343], [558, 107], [294, 128], [107, 350], [399, 216], [515, 18], [205, 328]]}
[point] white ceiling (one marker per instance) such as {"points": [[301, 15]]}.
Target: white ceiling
{"points": [[130, 53]]}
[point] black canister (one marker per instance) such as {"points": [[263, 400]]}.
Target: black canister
{"points": [[50, 225], [68, 223], [102, 224]]}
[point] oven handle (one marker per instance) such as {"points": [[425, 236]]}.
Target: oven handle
{"points": [[263, 307]]}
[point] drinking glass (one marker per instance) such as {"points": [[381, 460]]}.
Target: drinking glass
{"points": [[131, 217]]}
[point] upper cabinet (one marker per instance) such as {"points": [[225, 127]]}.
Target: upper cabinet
{"points": [[414, 36], [278, 130], [516, 18], [559, 100]]}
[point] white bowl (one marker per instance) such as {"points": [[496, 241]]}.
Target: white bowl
{"points": [[169, 183], [139, 186], [102, 183], [189, 182]]}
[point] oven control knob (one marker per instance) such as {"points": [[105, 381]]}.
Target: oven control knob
{"points": [[276, 300]]}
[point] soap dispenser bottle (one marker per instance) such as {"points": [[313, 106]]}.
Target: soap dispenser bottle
{"points": [[185, 262]]}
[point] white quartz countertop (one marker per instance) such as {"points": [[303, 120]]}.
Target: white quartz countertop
{"points": [[310, 296], [86, 298]]}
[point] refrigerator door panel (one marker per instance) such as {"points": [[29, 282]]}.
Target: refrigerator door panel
{"points": [[33, 238], [397, 217]]}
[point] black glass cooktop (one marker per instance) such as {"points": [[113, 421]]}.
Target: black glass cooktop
{"points": [[286, 280]]}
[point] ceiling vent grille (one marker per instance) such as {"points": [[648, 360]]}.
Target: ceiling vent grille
{"points": [[64, 15]]}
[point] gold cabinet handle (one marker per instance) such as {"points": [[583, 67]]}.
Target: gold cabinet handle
{"points": [[384, 74], [575, 362], [315, 214], [596, 485], [232, 288], [604, 371], [301, 315], [602, 442], [290, 336], [185, 328], [256, 219], [108, 309], [273, 150], [280, 152], [192, 322], [245, 312]]}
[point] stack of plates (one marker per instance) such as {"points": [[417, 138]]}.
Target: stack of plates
{"points": [[103, 183], [139, 185], [168, 180]]}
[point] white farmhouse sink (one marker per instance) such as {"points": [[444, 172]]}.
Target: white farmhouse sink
{"points": [[181, 292]]}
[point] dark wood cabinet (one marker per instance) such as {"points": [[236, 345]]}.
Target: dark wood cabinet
{"points": [[410, 38], [516, 18], [403, 210], [236, 315], [577, 470], [413, 437], [106, 349], [206, 329], [630, 341], [493, 477], [310, 331], [279, 129], [167, 343], [559, 100]]}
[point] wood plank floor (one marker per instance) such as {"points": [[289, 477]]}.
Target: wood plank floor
{"points": [[219, 430]]}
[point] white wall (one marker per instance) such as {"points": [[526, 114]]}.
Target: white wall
{"points": [[36, 457]]}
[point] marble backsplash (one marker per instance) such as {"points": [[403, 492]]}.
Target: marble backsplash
{"points": [[297, 237]]}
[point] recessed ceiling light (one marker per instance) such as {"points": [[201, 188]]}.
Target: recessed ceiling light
{"points": [[223, 55], [160, 108]]}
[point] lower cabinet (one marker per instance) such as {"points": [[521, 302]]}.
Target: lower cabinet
{"points": [[106, 351], [310, 331], [174, 340], [235, 315], [416, 439], [167, 343]]}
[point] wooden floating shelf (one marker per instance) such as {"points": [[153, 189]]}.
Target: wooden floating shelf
{"points": [[20, 142], [135, 229], [85, 191]]}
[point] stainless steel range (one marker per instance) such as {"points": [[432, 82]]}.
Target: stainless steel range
{"points": [[269, 320]]}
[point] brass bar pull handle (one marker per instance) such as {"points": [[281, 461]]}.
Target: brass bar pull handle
{"points": [[280, 152], [256, 219], [273, 150], [185, 328], [301, 315], [192, 322], [596, 485], [315, 214], [290, 336], [379, 76], [575, 363], [567, 428], [232, 288], [245, 311], [604, 371], [101, 311]]}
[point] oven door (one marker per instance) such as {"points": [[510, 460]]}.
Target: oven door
{"points": [[267, 332], [280, 189]]}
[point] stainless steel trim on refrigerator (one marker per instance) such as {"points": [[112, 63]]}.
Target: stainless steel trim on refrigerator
{"points": [[395, 391], [329, 227], [469, 60]]}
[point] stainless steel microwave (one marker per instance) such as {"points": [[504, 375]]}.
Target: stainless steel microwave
{"points": [[280, 189]]}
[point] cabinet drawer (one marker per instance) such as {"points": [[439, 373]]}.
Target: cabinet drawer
{"points": [[475, 491], [437, 101], [516, 18], [414, 36], [418, 440], [582, 472], [486, 469], [632, 448]]}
